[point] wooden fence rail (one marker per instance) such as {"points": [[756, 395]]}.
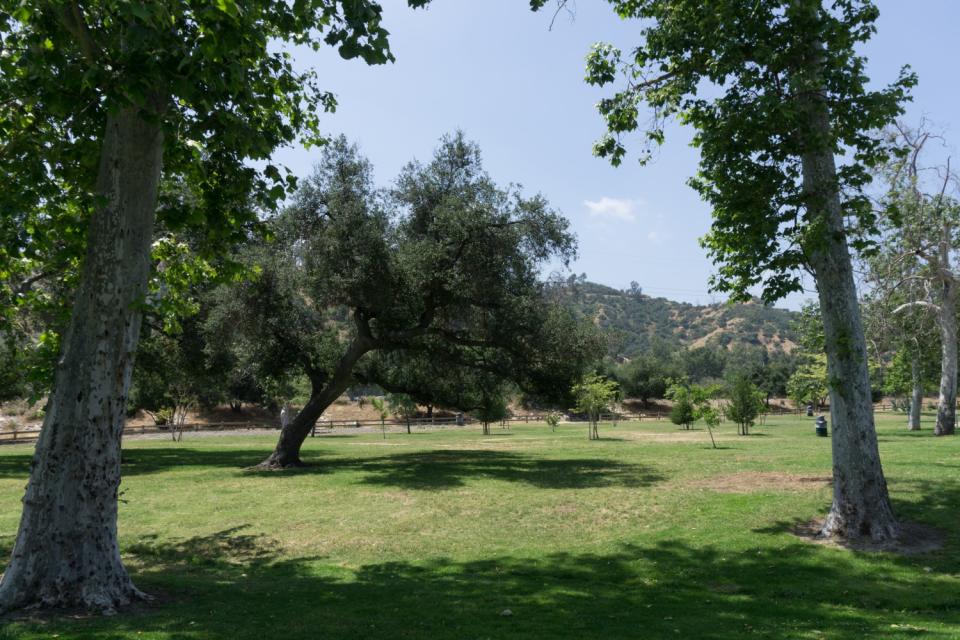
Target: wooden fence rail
{"points": [[21, 436]]}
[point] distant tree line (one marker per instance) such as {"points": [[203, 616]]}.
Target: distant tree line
{"points": [[647, 376]]}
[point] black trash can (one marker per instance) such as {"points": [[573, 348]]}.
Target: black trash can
{"points": [[822, 427]]}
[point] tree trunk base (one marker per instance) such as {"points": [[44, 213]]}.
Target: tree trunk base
{"points": [[850, 527], [278, 461], [105, 594]]}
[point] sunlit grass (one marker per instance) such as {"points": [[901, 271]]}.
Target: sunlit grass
{"points": [[437, 535]]}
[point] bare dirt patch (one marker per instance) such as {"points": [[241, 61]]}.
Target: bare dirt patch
{"points": [[753, 481], [914, 539]]}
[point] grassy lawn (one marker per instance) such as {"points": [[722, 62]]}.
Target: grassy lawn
{"points": [[638, 535]]}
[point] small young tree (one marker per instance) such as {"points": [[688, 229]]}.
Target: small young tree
{"points": [[402, 406], [594, 395], [808, 384], [711, 417], [381, 408], [683, 412], [701, 397], [692, 402], [183, 401], [552, 419], [493, 408], [746, 403]]}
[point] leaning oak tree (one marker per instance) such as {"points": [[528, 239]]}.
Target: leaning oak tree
{"points": [[100, 99], [776, 91], [445, 266]]}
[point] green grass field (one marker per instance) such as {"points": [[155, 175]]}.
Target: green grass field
{"points": [[435, 535]]}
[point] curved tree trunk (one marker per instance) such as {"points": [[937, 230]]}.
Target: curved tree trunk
{"points": [[861, 505], [947, 405], [323, 393], [66, 553], [916, 394]]}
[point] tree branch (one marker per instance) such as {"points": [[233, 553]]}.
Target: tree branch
{"points": [[917, 303], [71, 17]]}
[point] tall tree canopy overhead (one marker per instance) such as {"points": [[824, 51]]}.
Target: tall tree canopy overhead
{"points": [[100, 100], [776, 92], [444, 267]]}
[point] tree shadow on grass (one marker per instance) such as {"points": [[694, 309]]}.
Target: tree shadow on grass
{"points": [[232, 585], [447, 469], [140, 461], [429, 470], [931, 502], [15, 465], [888, 434], [927, 510]]}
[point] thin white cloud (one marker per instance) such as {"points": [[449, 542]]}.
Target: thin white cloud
{"points": [[657, 237], [612, 209]]}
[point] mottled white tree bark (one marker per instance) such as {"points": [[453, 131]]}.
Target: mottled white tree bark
{"points": [[861, 505], [916, 394], [66, 552], [947, 405]]}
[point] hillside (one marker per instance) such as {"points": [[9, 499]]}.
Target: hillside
{"points": [[639, 321]]}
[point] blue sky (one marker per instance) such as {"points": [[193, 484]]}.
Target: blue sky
{"points": [[497, 71]]}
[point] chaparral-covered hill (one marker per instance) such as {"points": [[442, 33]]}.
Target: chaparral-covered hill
{"points": [[636, 321]]}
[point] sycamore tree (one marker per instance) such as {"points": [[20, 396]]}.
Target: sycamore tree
{"points": [[904, 340], [776, 93], [437, 275], [920, 262], [101, 100]]}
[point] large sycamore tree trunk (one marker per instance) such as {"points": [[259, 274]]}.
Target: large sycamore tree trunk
{"points": [[947, 406], [66, 552], [861, 505], [325, 389], [916, 394]]}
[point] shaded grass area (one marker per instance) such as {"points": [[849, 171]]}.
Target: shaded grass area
{"points": [[437, 535]]}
